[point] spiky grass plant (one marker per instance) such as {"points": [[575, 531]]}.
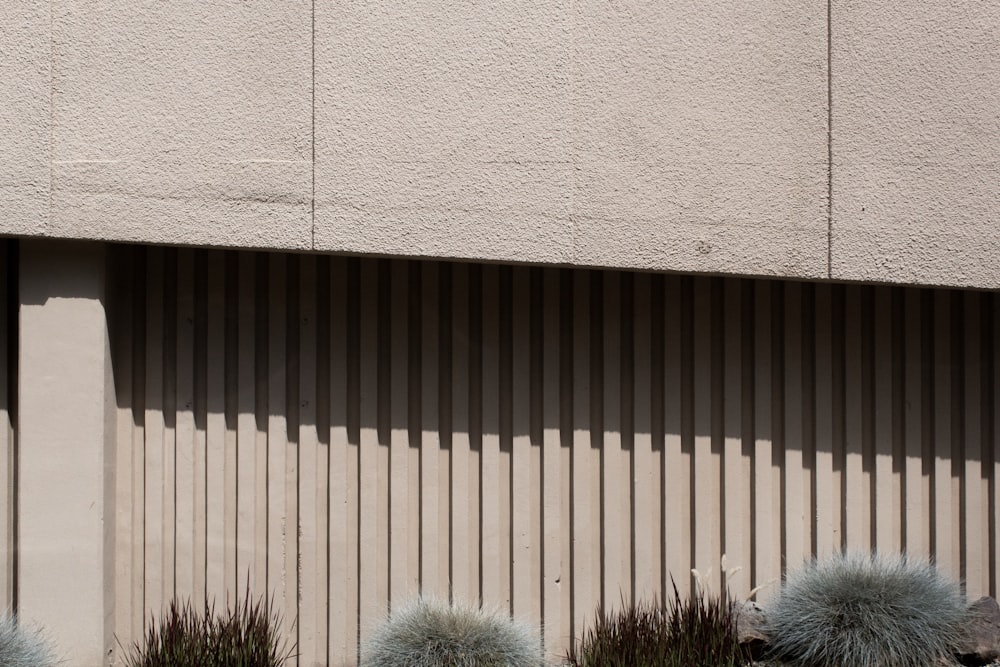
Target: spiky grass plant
{"points": [[245, 635], [699, 631], [433, 633], [866, 610], [23, 647]]}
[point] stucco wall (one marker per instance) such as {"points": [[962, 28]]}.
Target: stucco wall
{"points": [[681, 136], [916, 134]]}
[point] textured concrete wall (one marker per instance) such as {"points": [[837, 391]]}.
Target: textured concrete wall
{"points": [[24, 117], [656, 135], [916, 135], [680, 135], [183, 122]]}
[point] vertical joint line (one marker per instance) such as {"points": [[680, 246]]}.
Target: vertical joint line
{"points": [[52, 119], [312, 208], [829, 139]]}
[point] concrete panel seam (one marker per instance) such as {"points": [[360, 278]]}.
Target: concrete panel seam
{"points": [[829, 138], [52, 117], [312, 239]]}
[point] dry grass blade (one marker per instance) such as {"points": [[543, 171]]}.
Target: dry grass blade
{"points": [[696, 632], [245, 635]]}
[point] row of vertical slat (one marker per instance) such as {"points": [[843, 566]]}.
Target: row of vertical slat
{"points": [[344, 434]]}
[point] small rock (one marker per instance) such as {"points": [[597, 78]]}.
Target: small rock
{"points": [[751, 628], [981, 644]]}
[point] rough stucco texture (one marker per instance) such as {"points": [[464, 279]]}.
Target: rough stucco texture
{"points": [[916, 127], [24, 116], [186, 121], [680, 135], [676, 135]]}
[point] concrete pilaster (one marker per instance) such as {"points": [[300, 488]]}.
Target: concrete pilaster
{"points": [[65, 441]]}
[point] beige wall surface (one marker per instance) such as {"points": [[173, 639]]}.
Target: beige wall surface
{"points": [[25, 127], [350, 432], [182, 122], [65, 450], [677, 136], [660, 135], [916, 135]]}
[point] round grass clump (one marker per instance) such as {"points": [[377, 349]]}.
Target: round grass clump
{"points": [[433, 633], [866, 610], [21, 647]]}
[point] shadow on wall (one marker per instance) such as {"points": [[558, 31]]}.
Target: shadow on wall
{"points": [[540, 438], [8, 422], [415, 346]]}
